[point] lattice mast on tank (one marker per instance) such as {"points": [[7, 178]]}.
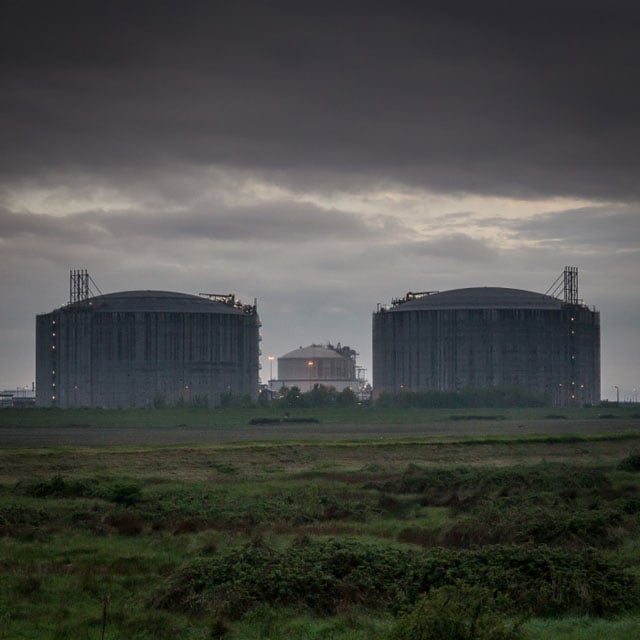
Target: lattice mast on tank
{"points": [[571, 285], [567, 282], [570, 389], [80, 286]]}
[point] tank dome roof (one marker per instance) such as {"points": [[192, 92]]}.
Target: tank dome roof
{"points": [[154, 301], [312, 351], [480, 298]]}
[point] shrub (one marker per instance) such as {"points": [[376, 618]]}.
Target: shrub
{"points": [[28, 585], [468, 482], [126, 493], [458, 612], [56, 487], [125, 523], [230, 400], [520, 523], [265, 421], [319, 396], [219, 628], [329, 575], [188, 525], [543, 580], [323, 576], [292, 397], [346, 398], [630, 463], [200, 401]]}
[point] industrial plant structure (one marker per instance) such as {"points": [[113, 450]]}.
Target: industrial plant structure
{"points": [[490, 336], [317, 364], [139, 348]]}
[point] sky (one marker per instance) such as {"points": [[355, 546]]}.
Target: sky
{"points": [[322, 157]]}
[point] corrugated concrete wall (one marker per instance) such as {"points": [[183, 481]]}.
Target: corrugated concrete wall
{"points": [[122, 359], [556, 352]]}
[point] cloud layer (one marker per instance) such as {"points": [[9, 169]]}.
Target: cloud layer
{"points": [[504, 97]]}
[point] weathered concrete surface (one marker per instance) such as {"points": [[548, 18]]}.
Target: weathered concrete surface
{"points": [[140, 348], [486, 337]]}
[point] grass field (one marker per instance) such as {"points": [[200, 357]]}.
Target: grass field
{"points": [[202, 417], [331, 540]]}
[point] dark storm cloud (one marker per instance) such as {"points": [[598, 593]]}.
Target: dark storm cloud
{"points": [[279, 222], [496, 97]]}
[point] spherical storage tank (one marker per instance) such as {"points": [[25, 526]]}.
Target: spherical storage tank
{"points": [[488, 336], [139, 348]]}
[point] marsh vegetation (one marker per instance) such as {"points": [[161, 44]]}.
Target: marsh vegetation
{"points": [[528, 537]]}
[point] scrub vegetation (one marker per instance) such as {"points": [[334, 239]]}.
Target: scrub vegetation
{"points": [[478, 539]]}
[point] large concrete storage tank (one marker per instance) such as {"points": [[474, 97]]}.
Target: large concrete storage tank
{"points": [[137, 348], [488, 336]]}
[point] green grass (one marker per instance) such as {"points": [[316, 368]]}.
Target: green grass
{"points": [[212, 418], [78, 526], [266, 622], [570, 628]]}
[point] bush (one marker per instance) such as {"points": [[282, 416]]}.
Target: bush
{"points": [[323, 576], [291, 398], [542, 580], [125, 523], [319, 396], [126, 494], [482, 482], [230, 400], [329, 575], [520, 523], [630, 463], [458, 612], [56, 487], [346, 398], [28, 585]]}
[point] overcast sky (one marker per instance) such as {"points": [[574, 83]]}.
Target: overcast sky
{"points": [[321, 157]]}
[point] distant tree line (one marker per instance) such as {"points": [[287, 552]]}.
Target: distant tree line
{"points": [[319, 396], [327, 397]]}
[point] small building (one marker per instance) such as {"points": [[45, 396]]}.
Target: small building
{"points": [[328, 365], [19, 397]]}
